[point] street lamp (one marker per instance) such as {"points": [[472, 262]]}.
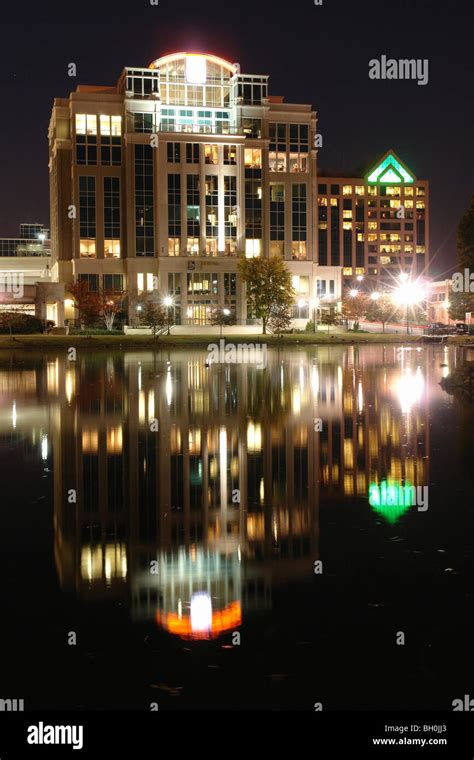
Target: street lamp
{"points": [[375, 296], [360, 277], [408, 294], [353, 293], [168, 302], [314, 303]]}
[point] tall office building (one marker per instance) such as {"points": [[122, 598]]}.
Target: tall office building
{"points": [[162, 182], [374, 223]]}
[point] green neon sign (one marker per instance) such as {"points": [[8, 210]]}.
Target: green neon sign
{"points": [[390, 171], [391, 500]]}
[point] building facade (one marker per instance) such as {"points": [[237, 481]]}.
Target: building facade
{"points": [[161, 183], [374, 226], [26, 281]]}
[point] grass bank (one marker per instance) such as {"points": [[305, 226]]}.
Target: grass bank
{"points": [[121, 342]]}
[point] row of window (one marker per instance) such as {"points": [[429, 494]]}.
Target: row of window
{"points": [[381, 190]]}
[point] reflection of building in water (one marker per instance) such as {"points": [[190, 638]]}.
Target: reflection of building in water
{"points": [[218, 497], [225, 496], [382, 431]]}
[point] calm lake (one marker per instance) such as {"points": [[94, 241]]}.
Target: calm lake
{"points": [[232, 536]]}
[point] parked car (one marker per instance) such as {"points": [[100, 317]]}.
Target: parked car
{"points": [[461, 328]]}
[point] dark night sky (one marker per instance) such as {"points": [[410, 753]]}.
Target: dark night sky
{"points": [[315, 55]]}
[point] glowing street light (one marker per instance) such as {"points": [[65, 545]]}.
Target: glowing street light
{"points": [[353, 293], [360, 277], [313, 304], [409, 294], [168, 302], [375, 296]]}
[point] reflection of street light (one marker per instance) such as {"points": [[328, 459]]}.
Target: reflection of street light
{"points": [[225, 314], [168, 302]]}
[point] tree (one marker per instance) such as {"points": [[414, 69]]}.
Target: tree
{"points": [[280, 319], [269, 287], [354, 307], [222, 316], [154, 315], [330, 318], [381, 310], [86, 302], [459, 305], [109, 305], [465, 238]]}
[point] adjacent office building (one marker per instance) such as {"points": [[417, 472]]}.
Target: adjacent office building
{"points": [[374, 222]]}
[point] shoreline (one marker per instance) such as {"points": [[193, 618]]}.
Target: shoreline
{"points": [[121, 342]]}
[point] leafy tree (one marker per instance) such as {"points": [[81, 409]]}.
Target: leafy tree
{"points": [[465, 238], [86, 302], [108, 306], [154, 315], [354, 307], [459, 305], [279, 319], [222, 316], [269, 287], [382, 310], [330, 318]]}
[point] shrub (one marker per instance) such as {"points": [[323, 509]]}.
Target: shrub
{"points": [[19, 323]]}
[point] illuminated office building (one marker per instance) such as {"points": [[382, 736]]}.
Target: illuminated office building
{"points": [[375, 223], [161, 182]]}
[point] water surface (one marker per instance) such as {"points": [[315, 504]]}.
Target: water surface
{"points": [[167, 516]]}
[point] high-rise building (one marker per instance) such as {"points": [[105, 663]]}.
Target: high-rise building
{"points": [[162, 182], [374, 223]]}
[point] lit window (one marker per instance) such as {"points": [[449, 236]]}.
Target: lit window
{"points": [[347, 214], [173, 246], [196, 69], [372, 225], [253, 158], [140, 281], [334, 201], [276, 161], [409, 191], [298, 249], [408, 203], [347, 225], [116, 126], [347, 189], [347, 271], [420, 191], [112, 249], [211, 154], [104, 125], [322, 201], [253, 248], [360, 190], [80, 124], [150, 282], [371, 190], [87, 248]]}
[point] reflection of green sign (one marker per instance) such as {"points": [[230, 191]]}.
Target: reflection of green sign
{"points": [[391, 500]]}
